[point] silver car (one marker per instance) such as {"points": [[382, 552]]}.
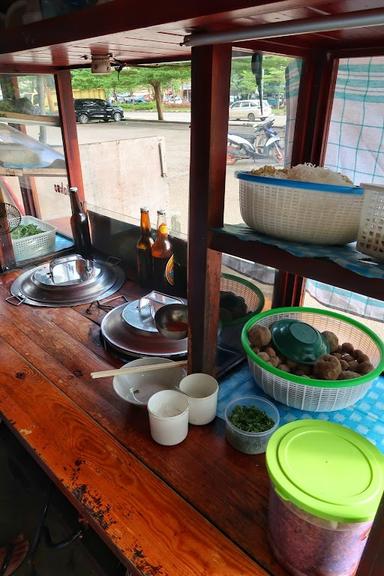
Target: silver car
{"points": [[249, 110]]}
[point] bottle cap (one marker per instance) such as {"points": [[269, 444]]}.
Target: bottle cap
{"points": [[73, 189], [144, 209]]}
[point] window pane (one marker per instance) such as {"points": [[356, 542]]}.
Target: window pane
{"points": [[33, 173]]}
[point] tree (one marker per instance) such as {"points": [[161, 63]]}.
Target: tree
{"points": [[85, 80], [243, 81], [157, 77]]}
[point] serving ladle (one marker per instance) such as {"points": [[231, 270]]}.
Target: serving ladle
{"points": [[171, 321]]}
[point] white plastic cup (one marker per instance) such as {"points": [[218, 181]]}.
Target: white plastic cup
{"points": [[168, 417], [202, 391]]}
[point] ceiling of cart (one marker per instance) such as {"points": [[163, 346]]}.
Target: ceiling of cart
{"points": [[157, 31]]}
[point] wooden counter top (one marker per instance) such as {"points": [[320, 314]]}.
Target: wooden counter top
{"points": [[195, 509]]}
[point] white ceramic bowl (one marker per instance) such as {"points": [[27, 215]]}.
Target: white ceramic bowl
{"points": [[138, 388]]}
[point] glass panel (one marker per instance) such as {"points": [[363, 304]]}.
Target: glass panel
{"points": [[33, 173], [266, 138], [130, 160]]}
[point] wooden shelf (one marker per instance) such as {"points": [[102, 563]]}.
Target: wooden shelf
{"points": [[29, 119], [321, 269], [32, 171]]}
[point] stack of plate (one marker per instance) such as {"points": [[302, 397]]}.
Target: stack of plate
{"points": [[129, 329]]}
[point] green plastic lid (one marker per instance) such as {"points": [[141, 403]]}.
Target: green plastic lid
{"points": [[298, 341], [327, 470]]}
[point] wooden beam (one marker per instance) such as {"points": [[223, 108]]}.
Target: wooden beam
{"points": [[320, 269], [314, 108], [69, 130], [211, 67]]}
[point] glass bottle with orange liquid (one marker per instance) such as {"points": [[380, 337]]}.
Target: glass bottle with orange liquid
{"points": [[161, 252]]}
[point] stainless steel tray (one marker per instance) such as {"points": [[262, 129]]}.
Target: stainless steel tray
{"points": [[35, 286]]}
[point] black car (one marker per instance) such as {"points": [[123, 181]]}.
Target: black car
{"points": [[96, 109]]}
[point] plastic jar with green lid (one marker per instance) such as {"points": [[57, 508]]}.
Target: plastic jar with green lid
{"points": [[327, 482]]}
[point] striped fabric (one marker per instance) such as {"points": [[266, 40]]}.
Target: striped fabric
{"points": [[356, 136]]}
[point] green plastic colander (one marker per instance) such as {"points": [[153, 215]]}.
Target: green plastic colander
{"points": [[311, 394]]}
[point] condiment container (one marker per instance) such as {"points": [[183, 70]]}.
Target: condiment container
{"points": [[250, 442], [202, 391], [168, 412], [327, 483]]}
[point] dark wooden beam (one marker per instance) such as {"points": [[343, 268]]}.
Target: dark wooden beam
{"points": [[69, 130], [314, 108], [317, 268], [211, 67], [115, 17]]}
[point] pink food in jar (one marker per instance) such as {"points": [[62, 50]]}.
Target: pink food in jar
{"points": [[310, 546]]}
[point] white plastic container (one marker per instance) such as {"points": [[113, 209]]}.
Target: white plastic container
{"points": [[250, 442], [37, 245], [202, 391], [371, 229], [168, 417], [327, 483]]}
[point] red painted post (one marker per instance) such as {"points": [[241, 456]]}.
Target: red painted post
{"points": [[69, 130], [211, 67]]}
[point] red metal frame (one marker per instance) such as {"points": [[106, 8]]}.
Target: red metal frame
{"points": [[69, 130]]}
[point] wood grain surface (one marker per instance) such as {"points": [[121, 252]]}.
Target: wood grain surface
{"points": [[59, 348]]}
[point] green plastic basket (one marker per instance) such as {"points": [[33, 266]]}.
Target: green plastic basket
{"points": [[253, 297], [230, 330], [311, 394]]}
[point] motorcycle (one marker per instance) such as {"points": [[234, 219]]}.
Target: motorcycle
{"points": [[264, 143]]}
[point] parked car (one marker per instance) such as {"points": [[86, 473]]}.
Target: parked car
{"points": [[96, 109], [249, 110], [136, 99], [173, 100]]}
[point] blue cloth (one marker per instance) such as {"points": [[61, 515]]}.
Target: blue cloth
{"points": [[345, 256], [62, 242], [365, 417]]}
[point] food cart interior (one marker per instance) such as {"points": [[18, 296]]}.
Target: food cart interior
{"points": [[199, 507]]}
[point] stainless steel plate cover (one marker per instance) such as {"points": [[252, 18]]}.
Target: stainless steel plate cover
{"points": [[124, 339], [41, 287]]}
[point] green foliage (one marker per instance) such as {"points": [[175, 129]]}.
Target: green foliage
{"points": [[243, 81], [132, 78]]}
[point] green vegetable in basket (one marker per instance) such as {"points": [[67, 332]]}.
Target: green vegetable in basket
{"points": [[250, 419], [25, 230]]}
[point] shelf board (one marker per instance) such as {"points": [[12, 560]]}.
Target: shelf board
{"points": [[321, 269], [30, 119], [32, 171]]}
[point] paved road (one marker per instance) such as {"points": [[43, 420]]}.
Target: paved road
{"points": [[176, 136]]}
